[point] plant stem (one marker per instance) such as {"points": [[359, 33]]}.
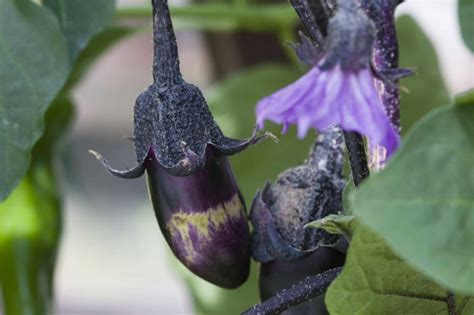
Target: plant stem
{"points": [[451, 301], [357, 157], [305, 290], [385, 56]]}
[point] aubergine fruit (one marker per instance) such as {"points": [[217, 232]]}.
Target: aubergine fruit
{"points": [[194, 193]]}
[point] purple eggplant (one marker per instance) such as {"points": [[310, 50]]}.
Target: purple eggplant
{"points": [[280, 274], [194, 193], [203, 218], [287, 251]]}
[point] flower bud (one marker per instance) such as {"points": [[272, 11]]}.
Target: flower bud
{"points": [[299, 195], [287, 251]]}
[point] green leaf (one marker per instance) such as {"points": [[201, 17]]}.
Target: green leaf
{"points": [[233, 103], [466, 22], [30, 223], [33, 67], [225, 17], [465, 98], [335, 224], [58, 119], [426, 88], [96, 47], [375, 281], [80, 20], [423, 202]]}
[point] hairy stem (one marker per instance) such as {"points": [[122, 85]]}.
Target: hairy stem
{"points": [[357, 157], [305, 290], [385, 56], [451, 304]]}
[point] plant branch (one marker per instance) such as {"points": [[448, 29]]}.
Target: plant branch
{"points": [[451, 301], [305, 290], [357, 157]]}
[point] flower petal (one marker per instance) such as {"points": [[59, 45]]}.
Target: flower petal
{"points": [[320, 99]]}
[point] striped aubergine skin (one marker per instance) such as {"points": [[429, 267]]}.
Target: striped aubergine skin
{"points": [[203, 218]]}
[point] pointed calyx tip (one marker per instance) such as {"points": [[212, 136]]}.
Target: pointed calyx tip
{"points": [[165, 61], [96, 154]]}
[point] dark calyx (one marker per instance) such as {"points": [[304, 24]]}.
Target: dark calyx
{"points": [[299, 195], [351, 36], [342, 35], [171, 117]]}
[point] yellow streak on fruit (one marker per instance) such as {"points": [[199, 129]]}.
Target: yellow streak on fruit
{"points": [[178, 225]]}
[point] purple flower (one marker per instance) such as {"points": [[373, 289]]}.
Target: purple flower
{"points": [[340, 88], [322, 98]]}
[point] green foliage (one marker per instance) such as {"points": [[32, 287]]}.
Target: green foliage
{"points": [[34, 65], [224, 17], [423, 202], [30, 225], [336, 224], [80, 20], [375, 281], [96, 47], [426, 89], [233, 101], [466, 21], [35, 62], [58, 118], [465, 98]]}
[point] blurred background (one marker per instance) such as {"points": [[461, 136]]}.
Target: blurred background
{"points": [[113, 258]]}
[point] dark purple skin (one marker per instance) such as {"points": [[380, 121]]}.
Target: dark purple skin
{"points": [[280, 274], [203, 219]]}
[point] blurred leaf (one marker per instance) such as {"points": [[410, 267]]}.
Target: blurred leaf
{"points": [[375, 281], [466, 21], [58, 119], [30, 224], [465, 98], [96, 47], [423, 202], [33, 67], [335, 224], [29, 235], [225, 17], [80, 20], [427, 89], [233, 101]]}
